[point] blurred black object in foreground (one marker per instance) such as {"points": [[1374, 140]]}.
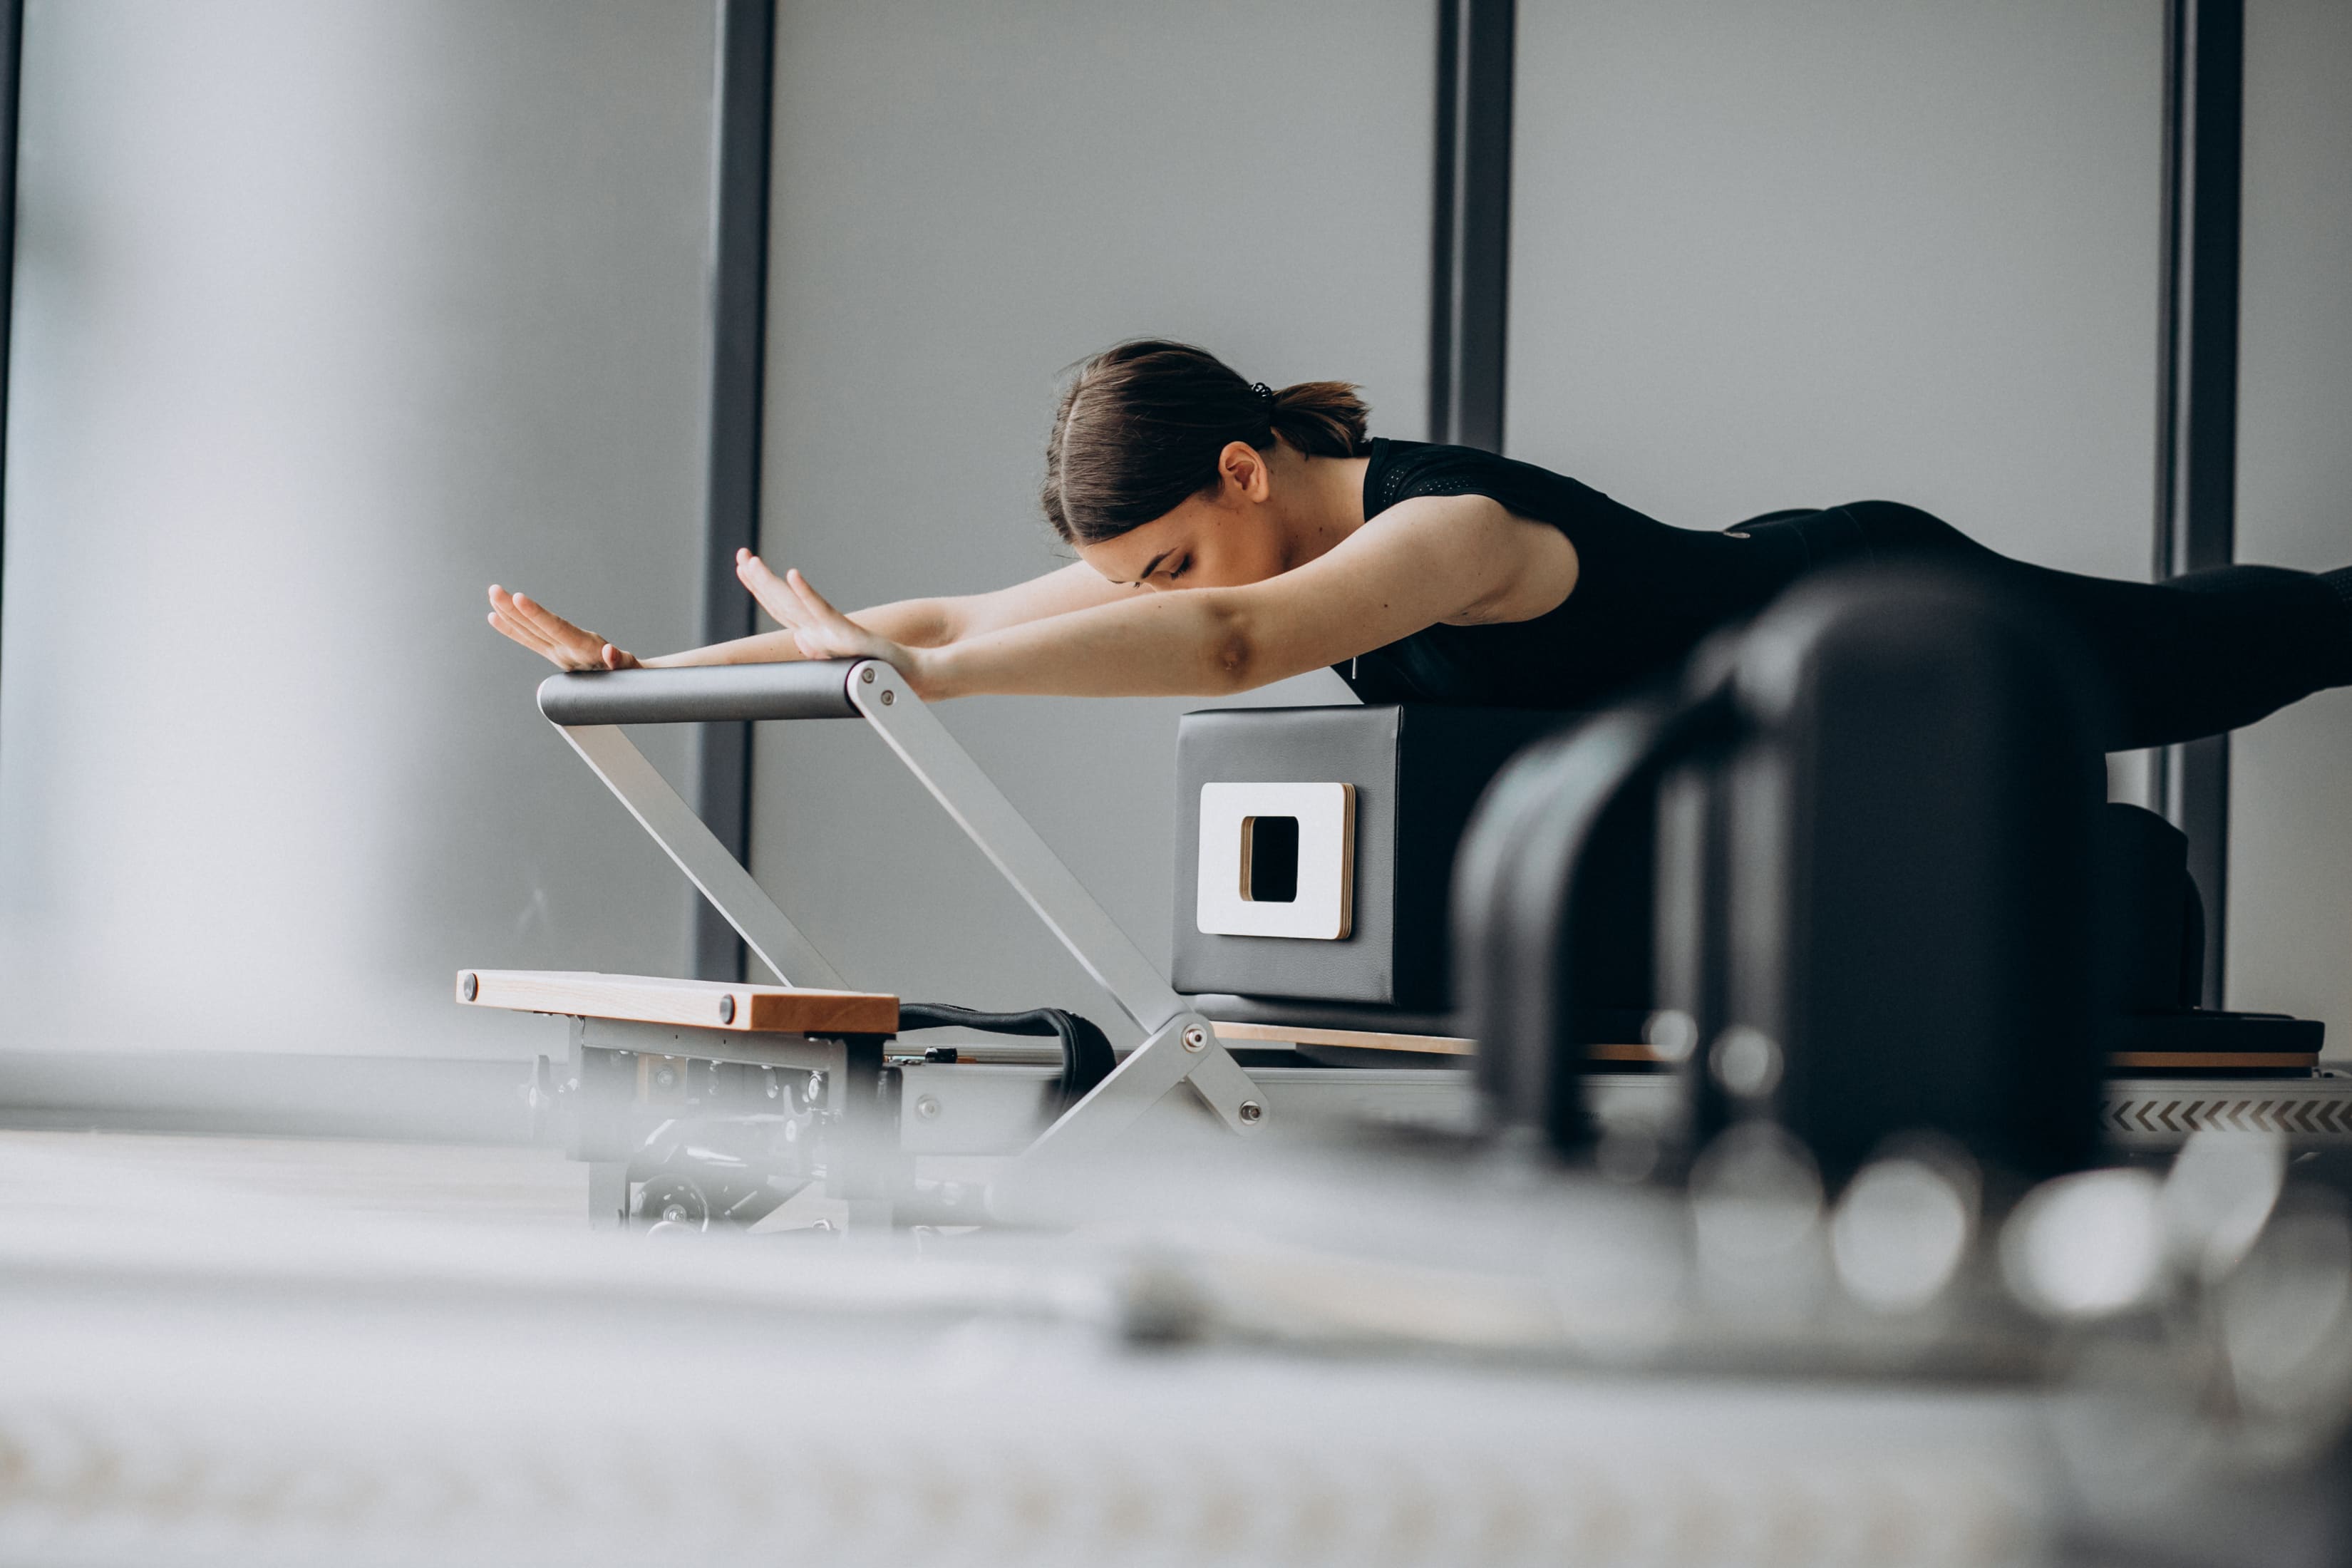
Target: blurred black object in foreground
{"points": [[1875, 813]]}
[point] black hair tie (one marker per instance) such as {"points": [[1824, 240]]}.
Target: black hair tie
{"points": [[1263, 390]]}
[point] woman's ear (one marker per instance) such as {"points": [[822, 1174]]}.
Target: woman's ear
{"points": [[1245, 471]]}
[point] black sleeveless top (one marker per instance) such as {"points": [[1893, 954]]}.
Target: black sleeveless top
{"points": [[1645, 593]]}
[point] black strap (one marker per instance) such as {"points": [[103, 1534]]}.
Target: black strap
{"points": [[1086, 1057]]}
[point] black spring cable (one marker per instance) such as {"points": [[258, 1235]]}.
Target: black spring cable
{"points": [[1086, 1057]]}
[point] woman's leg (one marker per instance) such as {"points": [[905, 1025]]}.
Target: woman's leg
{"points": [[2194, 656]]}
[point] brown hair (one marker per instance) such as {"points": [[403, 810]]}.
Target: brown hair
{"points": [[1139, 431]]}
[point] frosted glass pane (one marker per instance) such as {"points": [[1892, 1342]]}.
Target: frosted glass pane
{"points": [[325, 317]]}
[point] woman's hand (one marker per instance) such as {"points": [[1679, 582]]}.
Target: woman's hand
{"points": [[819, 630], [551, 637]]}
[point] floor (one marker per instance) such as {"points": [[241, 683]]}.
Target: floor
{"points": [[104, 1175]]}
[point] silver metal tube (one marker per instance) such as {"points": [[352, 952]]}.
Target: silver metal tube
{"points": [[796, 688]]}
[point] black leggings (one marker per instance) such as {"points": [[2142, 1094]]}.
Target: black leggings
{"points": [[2193, 656]]}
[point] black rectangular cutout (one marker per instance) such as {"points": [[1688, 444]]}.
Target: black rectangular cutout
{"points": [[1270, 859]]}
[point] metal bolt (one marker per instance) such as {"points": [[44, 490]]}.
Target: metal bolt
{"points": [[1252, 1113], [1672, 1033], [928, 1108], [1746, 1060], [889, 696], [473, 984], [726, 1009], [1196, 1038], [866, 675], [665, 1078]]}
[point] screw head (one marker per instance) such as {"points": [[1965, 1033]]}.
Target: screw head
{"points": [[1746, 1060], [473, 985], [1252, 1112], [889, 696], [726, 1009], [866, 675], [928, 1108], [1196, 1038]]}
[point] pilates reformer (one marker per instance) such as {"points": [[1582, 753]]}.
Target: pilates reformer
{"points": [[707, 1102], [810, 1067]]}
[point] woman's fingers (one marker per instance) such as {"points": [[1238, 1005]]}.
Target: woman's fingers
{"points": [[558, 630], [820, 631], [507, 619], [770, 590], [550, 635], [512, 609], [824, 632], [507, 628], [814, 605]]}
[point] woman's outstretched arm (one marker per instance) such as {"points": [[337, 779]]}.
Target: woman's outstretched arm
{"points": [[907, 623], [1452, 557]]}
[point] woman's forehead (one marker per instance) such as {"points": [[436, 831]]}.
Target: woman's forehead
{"points": [[1129, 558]]}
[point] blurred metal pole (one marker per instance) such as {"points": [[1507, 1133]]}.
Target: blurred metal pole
{"points": [[12, 60], [1470, 260], [721, 789], [2196, 430]]}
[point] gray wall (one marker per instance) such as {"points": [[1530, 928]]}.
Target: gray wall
{"points": [[2291, 833], [1786, 255], [968, 198], [1816, 250], [326, 316]]}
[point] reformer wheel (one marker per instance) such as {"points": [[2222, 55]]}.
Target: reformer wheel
{"points": [[673, 1199]]}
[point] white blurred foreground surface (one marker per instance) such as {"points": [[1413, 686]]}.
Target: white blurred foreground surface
{"points": [[215, 1350]]}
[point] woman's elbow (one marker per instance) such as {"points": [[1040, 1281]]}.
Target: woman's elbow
{"points": [[1232, 660]]}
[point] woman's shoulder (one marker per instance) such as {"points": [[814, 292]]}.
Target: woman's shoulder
{"points": [[1402, 470]]}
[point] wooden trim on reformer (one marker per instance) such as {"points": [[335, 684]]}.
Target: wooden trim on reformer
{"points": [[1361, 1040], [2201, 1059], [1454, 1046], [695, 1003]]}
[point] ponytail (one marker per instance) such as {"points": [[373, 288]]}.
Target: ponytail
{"points": [[1139, 430]]}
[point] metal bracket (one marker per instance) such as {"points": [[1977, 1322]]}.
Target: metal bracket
{"points": [[969, 796], [1180, 1047], [1183, 1051], [766, 930]]}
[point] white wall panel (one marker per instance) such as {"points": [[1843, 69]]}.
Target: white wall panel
{"points": [[968, 199]]}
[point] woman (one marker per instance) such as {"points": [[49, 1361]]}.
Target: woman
{"points": [[1230, 535]]}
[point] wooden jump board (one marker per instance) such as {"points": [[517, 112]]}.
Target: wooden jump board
{"points": [[1452, 1046], [697, 1004], [1373, 1040]]}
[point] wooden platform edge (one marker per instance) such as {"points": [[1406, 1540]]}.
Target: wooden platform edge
{"points": [[1637, 1052], [692, 1003]]}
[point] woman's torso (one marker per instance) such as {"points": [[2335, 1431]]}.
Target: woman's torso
{"points": [[1646, 593]]}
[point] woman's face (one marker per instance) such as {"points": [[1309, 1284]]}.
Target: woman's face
{"points": [[1220, 539]]}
